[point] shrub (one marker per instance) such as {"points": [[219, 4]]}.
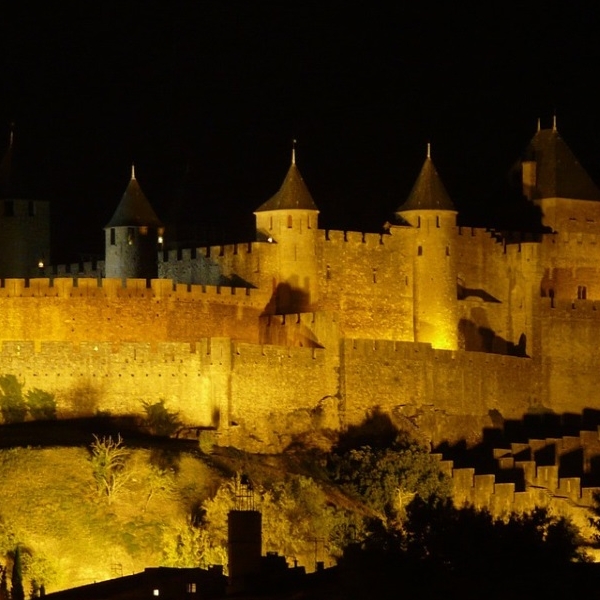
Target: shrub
{"points": [[159, 420], [41, 404], [12, 403]]}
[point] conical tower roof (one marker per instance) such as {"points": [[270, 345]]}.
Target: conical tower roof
{"points": [[293, 193], [134, 210], [558, 172], [429, 192]]}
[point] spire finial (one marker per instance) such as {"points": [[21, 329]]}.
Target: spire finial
{"points": [[132, 171], [428, 149], [554, 122], [539, 124], [294, 152]]}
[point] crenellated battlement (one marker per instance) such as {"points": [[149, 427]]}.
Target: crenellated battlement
{"points": [[206, 252], [81, 269], [479, 233], [371, 240], [543, 486], [64, 287], [270, 354]]}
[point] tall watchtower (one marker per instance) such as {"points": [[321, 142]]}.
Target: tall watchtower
{"points": [[289, 221], [431, 213], [132, 236], [24, 225]]}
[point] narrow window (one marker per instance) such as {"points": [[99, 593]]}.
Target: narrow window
{"points": [[418, 221], [270, 223], [328, 272], [374, 275], [437, 221], [420, 251], [191, 588], [130, 235], [289, 221], [308, 222], [113, 239], [31, 208], [447, 250], [9, 208], [581, 292]]}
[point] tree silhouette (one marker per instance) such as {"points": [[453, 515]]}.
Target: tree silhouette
{"points": [[17, 592]]}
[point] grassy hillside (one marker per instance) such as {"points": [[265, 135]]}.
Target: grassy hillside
{"points": [[84, 504], [50, 504]]}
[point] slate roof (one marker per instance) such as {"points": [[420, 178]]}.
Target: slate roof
{"points": [[428, 193], [293, 194], [134, 210], [558, 172]]}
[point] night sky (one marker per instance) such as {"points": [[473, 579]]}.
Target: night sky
{"points": [[206, 98]]}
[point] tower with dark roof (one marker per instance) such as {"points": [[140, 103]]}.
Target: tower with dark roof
{"points": [[289, 222], [24, 226], [554, 180], [432, 217], [133, 236]]}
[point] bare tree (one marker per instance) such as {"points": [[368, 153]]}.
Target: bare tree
{"points": [[109, 462]]}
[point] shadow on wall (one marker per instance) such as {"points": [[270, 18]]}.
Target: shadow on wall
{"points": [[377, 431], [475, 338], [464, 292], [287, 299], [82, 400], [546, 438]]}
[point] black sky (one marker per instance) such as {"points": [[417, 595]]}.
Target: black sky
{"points": [[206, 97]]}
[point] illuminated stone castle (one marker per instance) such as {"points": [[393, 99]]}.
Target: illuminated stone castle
{"points": [[447, 329]]}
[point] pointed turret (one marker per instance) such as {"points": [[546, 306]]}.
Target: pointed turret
{"points": [[293, 193], [132, 236], [432, 216], [289, 221], [553, 179], [428, 192], [551, 170]]}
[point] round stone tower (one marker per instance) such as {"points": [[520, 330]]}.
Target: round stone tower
{"points": [[289, 221], [133, 236], [431, 214]]}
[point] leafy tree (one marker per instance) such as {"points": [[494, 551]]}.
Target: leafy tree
{"points": [[109, 461], [468, 539], [160, 483], [159, 420], [387, 478], [41, 404], [12, 403], [17, 592]]}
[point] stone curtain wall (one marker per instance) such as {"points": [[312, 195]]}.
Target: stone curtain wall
{"points": [[104, 310]]}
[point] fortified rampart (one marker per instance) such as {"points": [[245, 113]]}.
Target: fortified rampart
{"points": [[78, 310], [447, 395], [540, 472], [105, 345]]}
